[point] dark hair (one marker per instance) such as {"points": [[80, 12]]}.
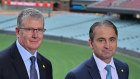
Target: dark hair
{"points": [[28, 13], [105, 23]]}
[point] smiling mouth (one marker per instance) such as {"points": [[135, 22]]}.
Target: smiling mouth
{"points": [[33, 41]]}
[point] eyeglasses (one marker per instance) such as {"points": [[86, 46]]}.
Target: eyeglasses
{"points": [[31, 30]]}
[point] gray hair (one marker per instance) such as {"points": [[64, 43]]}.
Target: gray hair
{"points": [[28, 13], [105, 23]]}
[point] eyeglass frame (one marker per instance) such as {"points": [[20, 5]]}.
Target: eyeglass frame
{"points": [[39, 30]]}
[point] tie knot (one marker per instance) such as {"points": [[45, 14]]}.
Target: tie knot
{"points": [[32, 58], [108, 68]]}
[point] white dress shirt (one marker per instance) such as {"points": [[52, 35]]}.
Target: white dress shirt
{"points": [[101, 66], [26, 58]]}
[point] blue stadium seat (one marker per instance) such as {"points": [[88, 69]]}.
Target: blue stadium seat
{"points": [[77, 26]]}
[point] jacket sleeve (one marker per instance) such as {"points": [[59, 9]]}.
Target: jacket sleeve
{"points": [[70, 75]]}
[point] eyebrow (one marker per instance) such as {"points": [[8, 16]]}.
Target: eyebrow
{"points": [[109, 38], [113, 38], [100, 38]]}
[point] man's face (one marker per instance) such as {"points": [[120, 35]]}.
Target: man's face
{"points": [[30, 40], [104, 43]]}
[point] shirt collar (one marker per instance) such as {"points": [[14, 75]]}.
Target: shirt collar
{"points": [[24, 53], [101, 64]]}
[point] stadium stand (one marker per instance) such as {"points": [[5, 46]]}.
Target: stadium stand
{"points": [[6, 18], [63, 28], [8, 23], [135, 4], [117, 3], [127, 9], [105, 3], [76, 26]]}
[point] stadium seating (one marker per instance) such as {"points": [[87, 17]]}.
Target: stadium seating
{"points": [[7, 22], [77, 26], [105, 3], [135, 4], [6, 18]]}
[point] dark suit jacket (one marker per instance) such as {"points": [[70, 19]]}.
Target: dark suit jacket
{"points": [[13, 67], [89, 70]]}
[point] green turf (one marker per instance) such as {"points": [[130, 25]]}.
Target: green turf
{"points": [[66, 56]]}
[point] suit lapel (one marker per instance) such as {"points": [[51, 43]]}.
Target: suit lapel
{"points": [[41, 68], [119, 69], [18, 63], [94, 72], [93, 69]]}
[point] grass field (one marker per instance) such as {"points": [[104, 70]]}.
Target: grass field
{"points": [[66, 56]]}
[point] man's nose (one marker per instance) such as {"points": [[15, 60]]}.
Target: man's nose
{"points": [[107, 44], [35, 33]]}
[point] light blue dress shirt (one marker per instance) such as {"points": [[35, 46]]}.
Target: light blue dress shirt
{"points": [[101, 66], [26, 58]]}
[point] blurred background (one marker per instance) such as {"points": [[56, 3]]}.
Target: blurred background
{"points": [[68, 21]]}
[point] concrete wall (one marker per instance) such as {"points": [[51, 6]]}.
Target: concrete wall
{"points": [[64, 5]]}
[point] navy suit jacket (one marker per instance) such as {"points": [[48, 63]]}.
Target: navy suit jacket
{"points": [[89, 70], [13, 67]]}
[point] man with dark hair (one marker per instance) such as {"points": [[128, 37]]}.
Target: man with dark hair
{"points": [[101, 65], [21, 60]]}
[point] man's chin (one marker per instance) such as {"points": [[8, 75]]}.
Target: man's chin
{"points": [[34, 47]]}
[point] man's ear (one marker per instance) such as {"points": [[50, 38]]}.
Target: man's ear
{"points": [[90, 43], [17, 31]]}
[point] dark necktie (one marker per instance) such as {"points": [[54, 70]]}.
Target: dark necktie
{"points": [[33, 72], [108, 68]]}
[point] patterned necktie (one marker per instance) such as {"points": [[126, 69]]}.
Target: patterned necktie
{"points": [[108, 68], [33, 72]]}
